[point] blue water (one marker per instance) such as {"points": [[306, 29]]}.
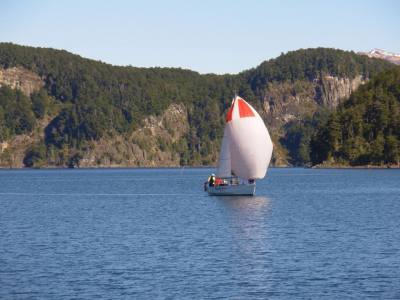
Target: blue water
{"points": [[154, 234]]}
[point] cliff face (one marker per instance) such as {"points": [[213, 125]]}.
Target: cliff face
{"points": [[153, 144], [331, 91], [284, 102], [287, 101], [150, 145], [20, 78], [13, 151]]}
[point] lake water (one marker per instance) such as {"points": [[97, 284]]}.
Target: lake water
{"points": [[154, 234]]}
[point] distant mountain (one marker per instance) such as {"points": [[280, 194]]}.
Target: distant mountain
{"points": [[59, 109], [382, 54]]}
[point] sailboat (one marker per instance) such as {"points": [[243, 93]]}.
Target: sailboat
{"points": [[246, 152]]}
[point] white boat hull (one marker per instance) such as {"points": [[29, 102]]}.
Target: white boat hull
{"points": [[231, 190]]}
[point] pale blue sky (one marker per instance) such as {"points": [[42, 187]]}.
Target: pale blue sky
{"points": [[217, 36]]}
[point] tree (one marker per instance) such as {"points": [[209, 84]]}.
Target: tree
{"points": [[40, 103], [392, 150], [35, 156]]}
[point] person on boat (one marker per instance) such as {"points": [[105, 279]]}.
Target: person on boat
{"points": [[211, 180]]}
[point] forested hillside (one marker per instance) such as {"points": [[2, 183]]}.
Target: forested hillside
{"points": [[84, 109], [365, 130]]}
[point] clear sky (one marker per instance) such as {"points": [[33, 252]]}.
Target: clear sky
{"points": [[209, 36]]}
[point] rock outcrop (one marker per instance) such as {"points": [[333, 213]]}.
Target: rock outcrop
{"points": [[13, 151], [20, 78], [287, 101], [332, 90], [149, 146]]}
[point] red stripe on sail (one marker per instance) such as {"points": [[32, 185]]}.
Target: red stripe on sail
{"points": [[244, 109], [230, 112]]}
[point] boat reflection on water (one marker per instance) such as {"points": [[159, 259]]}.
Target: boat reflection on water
{"points": [[247, 220], [245, 203]]}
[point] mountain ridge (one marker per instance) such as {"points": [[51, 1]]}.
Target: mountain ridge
{"points": [[87, 102], [382, 54]]}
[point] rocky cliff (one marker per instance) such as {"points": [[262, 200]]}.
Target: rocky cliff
{"points": [[153, 144], [13, 151], [149, 146], [22, 79], [287, 101]]}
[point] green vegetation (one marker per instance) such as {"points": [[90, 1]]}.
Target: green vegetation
{"points": [[16, 113], [309, 64], [88, 100], [298, 135], [366, 128], [35, 156]]}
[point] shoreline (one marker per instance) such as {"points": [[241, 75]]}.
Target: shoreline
{"points": [[355, 167], [202, 167]]}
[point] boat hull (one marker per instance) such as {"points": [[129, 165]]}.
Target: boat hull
{"points": [[232, 190]]}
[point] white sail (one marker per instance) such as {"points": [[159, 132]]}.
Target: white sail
{"points": [[224, 163], [250, 143]]}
